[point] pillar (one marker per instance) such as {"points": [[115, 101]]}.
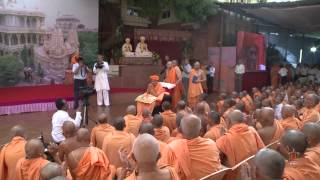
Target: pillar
{"points": [[9, 39]]}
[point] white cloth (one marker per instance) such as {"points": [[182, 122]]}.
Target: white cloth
{"points": [[58, 119], [186, 70], [239, 69], [103, 98], [211, 71], [82, 74], [101, 79], [283, 72], [277, 111]]}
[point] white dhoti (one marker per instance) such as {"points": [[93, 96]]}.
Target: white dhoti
{"points": [[102, 84]]}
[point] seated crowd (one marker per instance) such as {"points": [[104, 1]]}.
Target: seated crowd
{"points": [[269, 134]]}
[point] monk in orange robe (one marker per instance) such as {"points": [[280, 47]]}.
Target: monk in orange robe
{"points": [[146, 116], [89, 162], [146, 152], [169, 117], [28, 168], [183, 108], [312, 131], [274, 74], [269, 164], [256, 93], [11, 153], [196, 77], [247, 100], [238, 143], [173, 76], [271, 129], [154, 90], [133, 122], [51, 170], [293, 145], [220, 103], [100, 131], [188, 153], [117, 140], [310, 114], [215, 128], [289, 121], [162, 133]]}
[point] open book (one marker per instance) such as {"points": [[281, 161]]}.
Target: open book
{"points": [[167, 85], [146, 98]]}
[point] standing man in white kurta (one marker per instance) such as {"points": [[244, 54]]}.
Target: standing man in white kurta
{"points": [[101, 84]]}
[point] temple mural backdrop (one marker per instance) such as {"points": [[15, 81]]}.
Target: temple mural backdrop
{"points": [[38, 39]]}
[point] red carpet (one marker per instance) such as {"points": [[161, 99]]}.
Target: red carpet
{"points": [[46, 93]]}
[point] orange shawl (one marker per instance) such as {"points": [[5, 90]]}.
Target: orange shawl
{"points": [[162, 134], [306, 167], [169, 119], [310, 115], [29, 169], [291, 123], [132, 124], [9, 156], [171, 77], [215, 132], [174, 175], [98, 133]]}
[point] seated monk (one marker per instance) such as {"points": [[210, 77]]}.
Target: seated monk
{"points": [[271, 129], [215, 128], [256, 93], [200, 111], [133, 122], [247, 102], [288, 113], [162, 133], [238, 143], [312, 131], [146, 116], [196, 77], [188, 153], [293, 145], [11, 153], [100, 131], [183, 108], [88, 162], [269, 165], [310, 114], [220, 103], [28, 168], [147, 128], [203, 100], [176, 133], [118, 139], [146, 153], [169, 117], [50, 171], [153, 97]]}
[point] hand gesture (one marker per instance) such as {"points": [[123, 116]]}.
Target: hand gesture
{"points": [[53, 148]]}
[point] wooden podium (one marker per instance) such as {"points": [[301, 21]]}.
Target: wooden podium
{"points": [[136, 61]]}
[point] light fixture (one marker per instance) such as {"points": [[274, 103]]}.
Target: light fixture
{"points": [[300, 58], [313, 49]]}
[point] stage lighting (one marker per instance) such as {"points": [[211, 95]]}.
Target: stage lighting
{"points": [[313, 49]]}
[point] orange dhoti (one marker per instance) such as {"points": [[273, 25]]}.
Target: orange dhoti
{"points": [[195, 90]]}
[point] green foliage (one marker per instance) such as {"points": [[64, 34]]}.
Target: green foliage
{"points": [[24, 56], [10, 68], [88, 47], [187, 49], [194, 10]]}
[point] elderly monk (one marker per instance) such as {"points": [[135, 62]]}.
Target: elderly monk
{"points": [[50, 171], [28, 168], [173, 76], [288, 113], [153, 97], [164, 148], [215, 128], [269, 165], [293, 145], [88, 162], [182, 108], [169, 117], [146, 153], [271, 130], [312, 131], [196, 77], [133, 122], [11, 153], [188, 154], [100, 131], [162, 133], [146, 116], [310, 114], [116, 140]]}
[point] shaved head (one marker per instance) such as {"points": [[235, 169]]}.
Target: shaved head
{"points": [[288, 111], [270, 164], [157, 121], [200, 108], [68, 129], [132, 110], [266, 116], [190, 126], [34, 149], [18, 130], [59, 178], [103, 118], [50, 171], [83, 135], [146, 128], [181, 105], [235, 117], [312, 131], [146, 149], [145, 113], [295, 140]]}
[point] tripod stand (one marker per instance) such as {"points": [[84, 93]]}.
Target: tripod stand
{"points": [[86, 104]]}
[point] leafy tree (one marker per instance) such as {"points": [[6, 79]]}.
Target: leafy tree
{"points": [[88, 47], [24, 55], [10, 68]]}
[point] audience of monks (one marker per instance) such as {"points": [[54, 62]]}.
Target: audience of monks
{"points": [[267, 134]]}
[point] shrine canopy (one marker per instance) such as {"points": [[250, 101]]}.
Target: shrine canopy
{"points": [[298, 16]]}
